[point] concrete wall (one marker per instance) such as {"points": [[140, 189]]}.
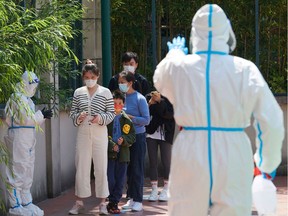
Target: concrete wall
{"points": [[68, 143]]}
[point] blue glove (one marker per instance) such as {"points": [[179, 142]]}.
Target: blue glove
{"points": [[178, 43]]}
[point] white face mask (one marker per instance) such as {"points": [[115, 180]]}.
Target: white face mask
{"points": [[129, 68], [90, 83]]}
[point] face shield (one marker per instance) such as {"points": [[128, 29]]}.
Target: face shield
{"points": [[30, 83]]}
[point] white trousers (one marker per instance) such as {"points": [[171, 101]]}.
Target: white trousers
{"points": [[192, 186], [21, 144], [92, 144]]}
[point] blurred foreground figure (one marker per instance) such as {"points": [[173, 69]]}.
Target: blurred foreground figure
{"points": [[22, 119], [214, 95]]}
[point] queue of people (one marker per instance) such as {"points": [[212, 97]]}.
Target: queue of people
{"points": [[111, 133], [127, 126], [114, 124], [124, 113]]}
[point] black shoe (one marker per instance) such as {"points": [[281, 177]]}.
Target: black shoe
{"points": [[113, 208]]}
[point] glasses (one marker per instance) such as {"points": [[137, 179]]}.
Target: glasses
{"points": [[34, 81]]}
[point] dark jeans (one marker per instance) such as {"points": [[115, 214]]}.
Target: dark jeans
{"points": [[116, 178], [165, 151], [135, 172]]}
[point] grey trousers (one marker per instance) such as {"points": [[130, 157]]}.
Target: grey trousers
{"points": [[165, 152]]}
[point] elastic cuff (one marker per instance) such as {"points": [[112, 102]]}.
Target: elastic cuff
{"points": [[269, 176], [26, 204]]}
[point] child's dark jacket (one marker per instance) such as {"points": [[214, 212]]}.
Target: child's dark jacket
{"points": [[128, 135], [162, 114]]}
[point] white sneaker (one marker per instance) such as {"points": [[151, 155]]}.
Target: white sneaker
{"points": [[20, 211], [34, 209], [163, 197], [137, 206], [154, 195], [128, 205], [103, 209], [78, 208]]}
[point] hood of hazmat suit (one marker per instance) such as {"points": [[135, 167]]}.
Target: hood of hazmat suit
{"points": [[29, 83]]}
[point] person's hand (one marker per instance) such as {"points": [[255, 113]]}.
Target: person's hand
{"points": [[47, 113], [82, 116], [95, 119], [120, 141], [130, 116], [116, 148], [151, 101], [156, 96], [269, 176], [178, 43]]}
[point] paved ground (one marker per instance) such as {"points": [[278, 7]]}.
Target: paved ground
{"points": [[60, 205]]}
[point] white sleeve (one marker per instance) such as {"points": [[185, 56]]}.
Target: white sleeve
{"points": [[269, 126], [164, 73], [39, 118], [22, 111]]}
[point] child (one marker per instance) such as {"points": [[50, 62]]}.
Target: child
{"points": [[121, 136], [160, 133]]}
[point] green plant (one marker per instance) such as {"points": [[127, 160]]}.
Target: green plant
{"points": [[131, 30], [35, 39], [4, 159]]}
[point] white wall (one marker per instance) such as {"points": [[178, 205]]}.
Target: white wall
{"points": [[68, 143]]}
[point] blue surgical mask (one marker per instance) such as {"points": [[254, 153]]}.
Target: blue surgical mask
{"points": [[123, 87]]}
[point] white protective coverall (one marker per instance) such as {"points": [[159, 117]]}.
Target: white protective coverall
{"points": [[214, 95], [22, 119]]}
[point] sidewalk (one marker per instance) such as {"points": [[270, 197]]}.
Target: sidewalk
{"points": [[60, 205]]}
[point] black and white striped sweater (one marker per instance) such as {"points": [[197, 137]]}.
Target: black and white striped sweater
{"points": [[100, 103]]}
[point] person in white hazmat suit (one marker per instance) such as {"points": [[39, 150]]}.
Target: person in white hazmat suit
{"points": [[214, 95], [22, 119]]}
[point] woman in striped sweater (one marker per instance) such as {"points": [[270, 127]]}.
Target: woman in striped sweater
{"points": [[92, 109]]}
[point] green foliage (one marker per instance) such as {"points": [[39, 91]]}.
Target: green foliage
{"points": [[4, 159], [129, 21], [131, 30], [35, 38], [273, 48]]}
